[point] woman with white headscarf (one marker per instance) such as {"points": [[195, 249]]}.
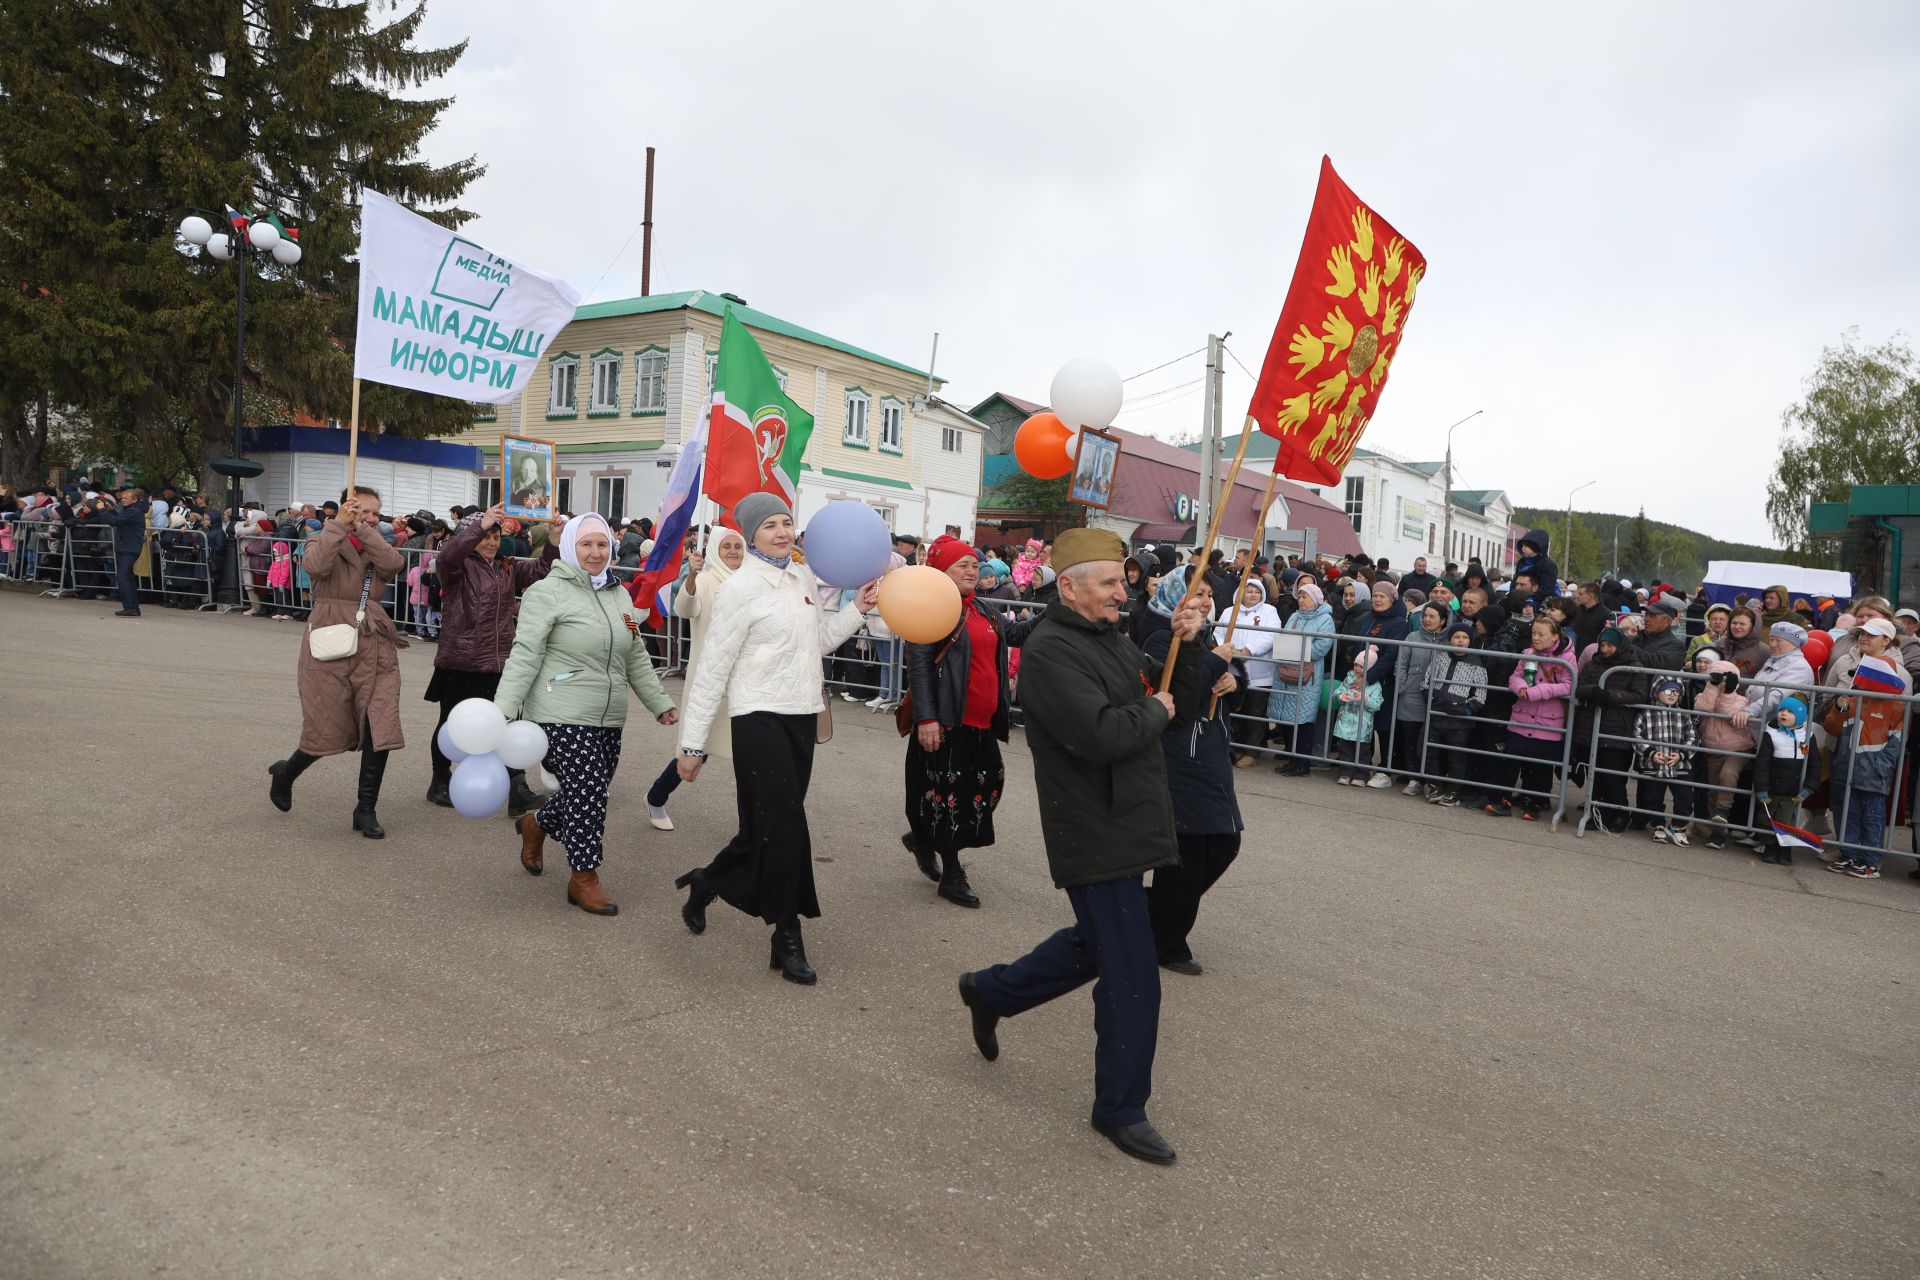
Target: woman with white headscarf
{"points": [[577, 649], [694, 602], [762, 661]]}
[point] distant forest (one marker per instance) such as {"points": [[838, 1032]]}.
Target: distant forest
{"points": [[1647, 549]]}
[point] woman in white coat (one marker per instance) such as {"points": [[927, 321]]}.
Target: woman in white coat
{"points": [[761, 665], [694, 602], [1254, 621]]}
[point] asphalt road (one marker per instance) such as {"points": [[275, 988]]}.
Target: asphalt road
{"points": [[1427, 1044]]}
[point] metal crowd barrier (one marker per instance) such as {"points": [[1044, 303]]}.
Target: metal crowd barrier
{"points": [[1745, 816], [78, 559]]}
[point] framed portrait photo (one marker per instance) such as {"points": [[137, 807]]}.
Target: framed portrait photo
{"points": [[1093, 468], [526, 477]]}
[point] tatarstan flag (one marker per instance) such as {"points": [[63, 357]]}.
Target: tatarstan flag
{"points": [[755, 435], [1339, 331]]}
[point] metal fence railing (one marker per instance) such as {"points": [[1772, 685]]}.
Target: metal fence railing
{"points": [[80, 559]]}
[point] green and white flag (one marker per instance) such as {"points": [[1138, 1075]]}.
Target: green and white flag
{"points": [[756, 436], [442, 313]]}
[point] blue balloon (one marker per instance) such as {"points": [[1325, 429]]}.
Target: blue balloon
{"points": [[479, 786], [848, 544], [447, 747]]}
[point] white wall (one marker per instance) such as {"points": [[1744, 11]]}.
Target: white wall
{"points": [[294, 478]]}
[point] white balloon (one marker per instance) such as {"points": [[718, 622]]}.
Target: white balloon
{"points": [[476, 726], [548, 782], [479, 787], [522, 745], [1086, 393]]}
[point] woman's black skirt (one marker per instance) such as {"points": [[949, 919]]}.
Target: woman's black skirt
{"points": [[952, 792]]}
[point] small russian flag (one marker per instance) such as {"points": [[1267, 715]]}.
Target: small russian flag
{"points": [[1795, 838], [1877, 675]]}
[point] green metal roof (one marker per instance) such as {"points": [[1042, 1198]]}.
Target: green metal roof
{"points": [[715, 304], [1475, 500]]}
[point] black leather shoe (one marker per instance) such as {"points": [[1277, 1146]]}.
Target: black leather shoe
{"points": [[694, 911], [520, 797], [929, 866], [955, 889], [126, 613], [438, 791], [985, 1020], [1141, 1141], [790, 955], [283, 772], [1189, 967]]}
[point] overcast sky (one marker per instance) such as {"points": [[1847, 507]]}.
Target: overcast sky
{"points": [[1642, 221]]}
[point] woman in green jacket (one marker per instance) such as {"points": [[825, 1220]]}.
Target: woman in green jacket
{"points": [[576, 652]]}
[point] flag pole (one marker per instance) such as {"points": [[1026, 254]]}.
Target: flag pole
{"points": [[353, 437], [1259, 531], [1213, 534]]}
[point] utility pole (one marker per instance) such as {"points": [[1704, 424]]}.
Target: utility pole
{"points": [[1209, 435], [646, 233]]}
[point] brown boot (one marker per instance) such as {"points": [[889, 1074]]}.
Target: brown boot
{"points": [[532, 841], [584, 892]]}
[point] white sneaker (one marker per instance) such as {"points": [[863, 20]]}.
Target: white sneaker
{"points": [[851, 697], [1660, 833], [1379, 780], [657, 815], [1411, 789], [874, 704], [1678, 835]]}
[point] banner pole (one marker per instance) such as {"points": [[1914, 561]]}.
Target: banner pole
{"points": [[1213, 533], [353, 437], [1259, 536]]}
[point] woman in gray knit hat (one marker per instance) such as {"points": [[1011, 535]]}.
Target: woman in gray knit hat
{"points": [[763, 656]]}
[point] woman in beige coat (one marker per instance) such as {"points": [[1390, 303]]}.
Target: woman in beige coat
{"points": [[694, 602], [349, 703]]}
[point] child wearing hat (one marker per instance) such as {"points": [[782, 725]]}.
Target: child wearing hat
{"points": [[1868, 728], [1664, 738], [1354, 704], [1786, 767], [1457, 689]]}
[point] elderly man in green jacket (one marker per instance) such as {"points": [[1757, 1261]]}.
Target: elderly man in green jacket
{"points": [[1094, 724]]}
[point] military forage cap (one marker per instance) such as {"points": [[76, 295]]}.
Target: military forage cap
{"points": [[1078, 546]]}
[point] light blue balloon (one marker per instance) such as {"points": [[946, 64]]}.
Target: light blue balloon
{"points": [[848, 544], [479, 786], [447, 747]]}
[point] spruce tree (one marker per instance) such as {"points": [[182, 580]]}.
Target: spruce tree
{"points": [[116, 118]]}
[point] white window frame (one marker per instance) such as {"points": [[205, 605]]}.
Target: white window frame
{"points": [[650, 374], [489, 491], [950, 440], [713, 363], [563, 494], [854, 429], [569, 365], [893, 425], [603, 490], [1356, 500], [605, 375]]}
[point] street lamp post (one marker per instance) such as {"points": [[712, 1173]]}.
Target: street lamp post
{"points": [[1570, 572], [1446, 499], [242, 241]]}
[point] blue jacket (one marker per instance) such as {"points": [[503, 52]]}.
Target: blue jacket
{"points": [[129, 525], [1299, 702]]}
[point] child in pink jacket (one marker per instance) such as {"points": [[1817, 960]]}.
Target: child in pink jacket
{"points": [[1542, 693], [1716, 700]]}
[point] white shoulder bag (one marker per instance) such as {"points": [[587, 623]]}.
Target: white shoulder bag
{"points": [[342, 639]]}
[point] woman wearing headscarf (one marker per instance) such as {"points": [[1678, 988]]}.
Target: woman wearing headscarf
{"points": [[478, 602], [762, 662], [1745, 646], [694, 602], [577, 649], [350, 703], [1295, 700], [1253, 622], [961, 696]]}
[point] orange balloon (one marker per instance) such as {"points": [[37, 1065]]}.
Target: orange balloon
{"points": [[1041, 447], [920, 603]]}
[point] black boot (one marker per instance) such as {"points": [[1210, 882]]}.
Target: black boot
{"points": [[953, 881], [922, 857], [790, 954], [280, 790], [373, 767], [437, 790], [699, 897], [520, 797]]}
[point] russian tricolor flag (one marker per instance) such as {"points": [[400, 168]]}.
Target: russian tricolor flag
{"points": [[1877, 675], [662, 567], [1795, 838]]}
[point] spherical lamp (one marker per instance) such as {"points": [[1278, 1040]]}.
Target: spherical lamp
{"points": [[195, 229], [264, 235], [221, 247], [286, 253]]}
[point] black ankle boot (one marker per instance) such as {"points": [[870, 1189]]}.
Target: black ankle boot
{"points": [[520, 797], [790, 954], [953, 881], [373, 767], [280, 790], [699, 897], [438, 790]]}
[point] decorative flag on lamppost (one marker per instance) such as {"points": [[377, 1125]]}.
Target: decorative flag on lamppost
{"points": [[442, 313], [1345, 314]]}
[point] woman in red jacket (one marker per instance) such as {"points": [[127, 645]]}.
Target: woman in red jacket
{"points": [[478, 601]]}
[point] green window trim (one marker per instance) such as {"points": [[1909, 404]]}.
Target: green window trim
{"points": [[639, 379], [880, 438], [847, 396], [604, 356], [604, 446], [884, 482], [554, 361]]}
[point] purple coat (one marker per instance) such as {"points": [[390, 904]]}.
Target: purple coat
{"points": [[1540, 708]]}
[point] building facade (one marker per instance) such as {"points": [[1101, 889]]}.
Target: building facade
{"points": [[625, 383]]}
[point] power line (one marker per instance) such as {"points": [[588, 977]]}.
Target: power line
{"points": [[1236, 359], [616, 258], [1145, 396], [1157, 368]]}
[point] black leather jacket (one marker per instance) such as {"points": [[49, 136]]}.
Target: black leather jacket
{"points": [[940, 693]]}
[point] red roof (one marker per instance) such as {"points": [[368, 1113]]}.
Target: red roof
{"points": [[1152, 471], [1027, 407]]}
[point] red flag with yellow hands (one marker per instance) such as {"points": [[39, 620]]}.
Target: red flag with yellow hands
{"points": [[1345, 313]]}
